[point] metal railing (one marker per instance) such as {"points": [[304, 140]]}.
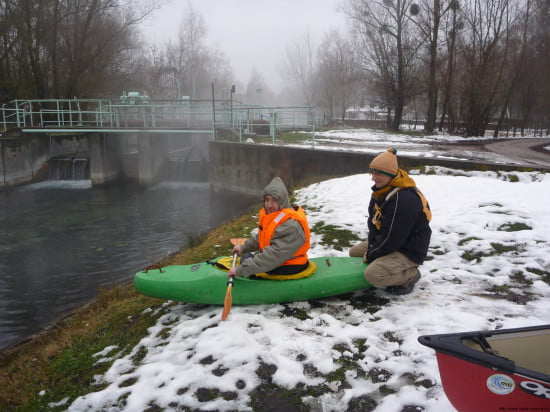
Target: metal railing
{"points": [[80, 114], [268, 121], [100, 113]]}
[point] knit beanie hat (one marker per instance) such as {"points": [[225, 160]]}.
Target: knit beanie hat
{"points": [[386, 162]]}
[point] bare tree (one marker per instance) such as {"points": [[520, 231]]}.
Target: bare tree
{"points": [[517, 46], [299, 66], [338, 74], [427, 15], [453, 25], [184, 56], [147, 71], [389, 50], [486, 60], [31, 34], [190, 64], [63, 48], [531, 100], [218, 70]]}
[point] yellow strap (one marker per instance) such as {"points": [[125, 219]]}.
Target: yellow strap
{"points": [[226, 262], [310, 270], [377, 218], [425, 205]]}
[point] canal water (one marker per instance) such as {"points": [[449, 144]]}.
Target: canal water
{"points": [[61, 240]]}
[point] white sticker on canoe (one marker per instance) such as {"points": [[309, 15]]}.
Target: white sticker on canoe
{"points": [[500, 384]]}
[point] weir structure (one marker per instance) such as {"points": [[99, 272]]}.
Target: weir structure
{"points": [[131, 137]]}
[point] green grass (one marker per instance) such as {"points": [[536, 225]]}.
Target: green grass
{"points": [[335, 237], [498, 249], [544, 275], [514, 227], [467, 239], [295, 137]]}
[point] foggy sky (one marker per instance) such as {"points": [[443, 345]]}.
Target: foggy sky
{"points": [[251, 33]]}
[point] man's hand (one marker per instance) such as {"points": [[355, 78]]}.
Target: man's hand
{"points": [[236, 249], [232, 272]]}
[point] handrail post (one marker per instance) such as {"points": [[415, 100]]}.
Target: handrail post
{"points": [[58, 113], [70, 114], [213, 112], [272, 122], [80, 119], [240, 129], [312, 127]]}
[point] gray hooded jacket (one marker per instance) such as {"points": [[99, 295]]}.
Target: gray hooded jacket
{"points": [[286, 240]]}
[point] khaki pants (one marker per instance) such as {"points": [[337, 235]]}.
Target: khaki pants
{"points": [[390, 270]]}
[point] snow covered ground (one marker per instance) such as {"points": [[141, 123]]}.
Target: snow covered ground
{"points": [[488, 268], [442, 146]]}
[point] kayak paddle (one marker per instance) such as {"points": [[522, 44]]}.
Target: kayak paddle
{"points": [[228, 298]]}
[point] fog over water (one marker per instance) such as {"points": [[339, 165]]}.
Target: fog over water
{"points": [[61, 240]]}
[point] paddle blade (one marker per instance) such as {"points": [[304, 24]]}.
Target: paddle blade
{"points": [[228, 298], [238, 241], [227, 302]]}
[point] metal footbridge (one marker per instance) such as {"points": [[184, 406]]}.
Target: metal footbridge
{"points": [[135, 113]]}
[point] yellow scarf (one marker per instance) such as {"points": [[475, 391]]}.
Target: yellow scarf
{"points": [[400, 181]]}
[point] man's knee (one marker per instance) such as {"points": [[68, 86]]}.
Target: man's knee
{"points": [[375, 277], [390, 270], [359, 250]]}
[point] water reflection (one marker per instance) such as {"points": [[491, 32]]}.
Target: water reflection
{"points": [[57, 246]]}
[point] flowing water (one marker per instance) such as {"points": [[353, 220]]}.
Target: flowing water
{"points": [[61, 240]]}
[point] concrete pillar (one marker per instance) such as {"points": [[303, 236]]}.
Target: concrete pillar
{"points": [[153, 154], [105, 159], [200, 142]]}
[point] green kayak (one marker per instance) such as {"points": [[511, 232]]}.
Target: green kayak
{"points": [[205, 283]]}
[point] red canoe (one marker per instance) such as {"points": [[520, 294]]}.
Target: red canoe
{"points": [[500, 370]]}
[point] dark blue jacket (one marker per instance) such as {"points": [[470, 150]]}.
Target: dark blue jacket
{"points": [[404, 226]]}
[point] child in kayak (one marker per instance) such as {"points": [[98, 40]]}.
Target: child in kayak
{"points": [[282, 240]]}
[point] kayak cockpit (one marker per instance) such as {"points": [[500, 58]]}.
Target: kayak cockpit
{"points": [[528, 349]]}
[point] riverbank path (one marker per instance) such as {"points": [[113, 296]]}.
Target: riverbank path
{"points": [[530, 152]]}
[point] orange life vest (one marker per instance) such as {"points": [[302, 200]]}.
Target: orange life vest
{"points": [[268, 223]]}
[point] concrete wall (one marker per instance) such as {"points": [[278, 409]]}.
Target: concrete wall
{"points": [[134, 156], [237, 167], [140, 157], [66, 145], [247, 168], [22, 159]]}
